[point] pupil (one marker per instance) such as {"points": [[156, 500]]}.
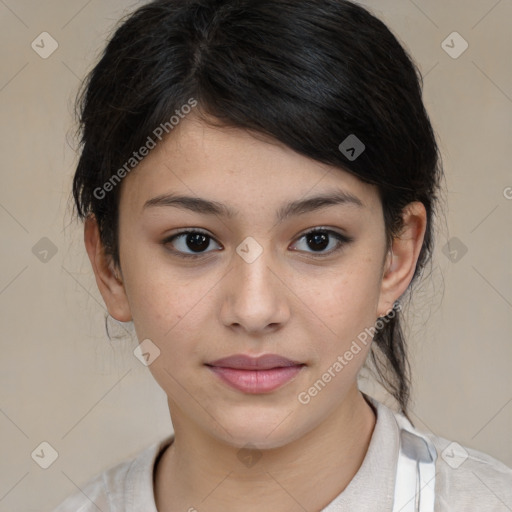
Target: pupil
{"points": [[192, 239], [200, 241], [319, 238]]}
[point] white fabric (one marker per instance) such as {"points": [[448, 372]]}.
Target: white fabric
{"points": [[416, 471], [478, 483]]}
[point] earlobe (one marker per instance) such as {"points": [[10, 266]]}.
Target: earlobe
{"points": [[108, 280], [403, 256]]}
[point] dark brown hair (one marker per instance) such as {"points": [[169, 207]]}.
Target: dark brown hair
{"points": [[307, 73]]}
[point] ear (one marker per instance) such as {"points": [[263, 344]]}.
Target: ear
{"points": [[402, 257], [109, 283]]}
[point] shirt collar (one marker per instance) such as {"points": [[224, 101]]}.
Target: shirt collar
{"points": [[371, 488]]}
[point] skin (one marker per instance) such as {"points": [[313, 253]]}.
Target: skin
{"points": [[289, 301]]}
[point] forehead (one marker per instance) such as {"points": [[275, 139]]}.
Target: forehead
{"points": [[239, 168]]}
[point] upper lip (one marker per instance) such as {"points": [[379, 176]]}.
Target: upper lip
{"points": [[245, 362]]}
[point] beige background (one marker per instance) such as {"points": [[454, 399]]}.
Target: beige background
{"points": [[63, 382]]}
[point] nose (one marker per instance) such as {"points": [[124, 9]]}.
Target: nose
{"points": [[256, 295]]}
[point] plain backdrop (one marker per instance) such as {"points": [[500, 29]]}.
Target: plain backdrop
{"points": [[62, 382]]}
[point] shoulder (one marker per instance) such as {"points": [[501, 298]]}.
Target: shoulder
{"points": [[93, 496], [127, 482], [103, 492], [469, 480], [466, 479]]}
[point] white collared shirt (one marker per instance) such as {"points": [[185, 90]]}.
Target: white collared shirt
{"points": [[477, 483]]}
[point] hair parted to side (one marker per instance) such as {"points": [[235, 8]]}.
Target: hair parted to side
{"points": [[307, 73]]}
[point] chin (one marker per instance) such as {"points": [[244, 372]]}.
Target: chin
{"points": [[263, 431]]}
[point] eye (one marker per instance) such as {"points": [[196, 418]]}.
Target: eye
{"points": [[198, 241], [320, 238], [194, 240]]}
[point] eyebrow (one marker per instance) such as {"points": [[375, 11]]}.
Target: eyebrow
{"points": [[299, 207]]}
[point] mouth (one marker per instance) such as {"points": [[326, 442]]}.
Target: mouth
{"points": [[255, 375]]}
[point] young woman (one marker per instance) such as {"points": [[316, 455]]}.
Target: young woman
{"points": [[258, 180]]}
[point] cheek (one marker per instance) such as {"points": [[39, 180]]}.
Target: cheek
{"points": [[164, 310], [160, 296], [172, 318], [346, 300]]}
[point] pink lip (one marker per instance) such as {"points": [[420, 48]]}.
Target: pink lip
{"points": [[255, 374]]}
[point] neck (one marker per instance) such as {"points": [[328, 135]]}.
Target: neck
{"points": [[197, 470]]}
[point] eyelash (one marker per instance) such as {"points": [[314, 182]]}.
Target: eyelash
{"points": [[342, 241]]}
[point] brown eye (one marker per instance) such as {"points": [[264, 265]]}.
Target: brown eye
{"points": [[319, 239], [195, 241]]}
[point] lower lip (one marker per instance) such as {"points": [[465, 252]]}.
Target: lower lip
{"points": [[256, 381]]}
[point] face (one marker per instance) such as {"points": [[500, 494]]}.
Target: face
{"points": [[203, 284]]}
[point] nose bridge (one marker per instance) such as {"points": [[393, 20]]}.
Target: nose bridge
{"points": [[263, 274], [255, 272], [256, 296]]}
